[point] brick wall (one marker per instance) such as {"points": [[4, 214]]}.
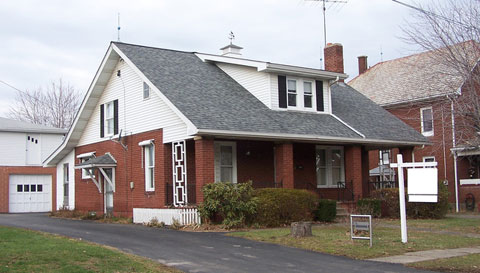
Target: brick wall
{"points": [[129, 169], [204, 165], [255, 162], [284, 164], [353, 170], [5, 173]]}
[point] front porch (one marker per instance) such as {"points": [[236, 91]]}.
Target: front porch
{"points": [[335, 171]]}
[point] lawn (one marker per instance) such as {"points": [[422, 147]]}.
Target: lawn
{"points": [[31, 251], [447, 224], [335, 239], [469, 263]]}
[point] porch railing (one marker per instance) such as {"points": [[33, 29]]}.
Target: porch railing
{"points": [[378, 185], [191, 194], [345, 191]]}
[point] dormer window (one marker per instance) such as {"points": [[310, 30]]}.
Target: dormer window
{"points": [[292, 93], [307, 94]]}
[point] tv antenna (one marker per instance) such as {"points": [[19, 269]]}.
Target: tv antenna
{"points": [[324, 8], [118, 28]]}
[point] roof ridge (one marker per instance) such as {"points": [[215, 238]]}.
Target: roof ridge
{"points": [[153, 47]]}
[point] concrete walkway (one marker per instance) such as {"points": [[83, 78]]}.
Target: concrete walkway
{"points": [[420, 256]]}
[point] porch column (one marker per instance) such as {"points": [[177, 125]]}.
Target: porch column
{"points": [[365, 171], [284, 164], [204, 165], [354, 170]]}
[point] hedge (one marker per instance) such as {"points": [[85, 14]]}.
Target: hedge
{"points": [[391, 203], [277, 207], [326, 210], [369, 206]]}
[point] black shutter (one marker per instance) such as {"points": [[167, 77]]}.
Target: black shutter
{"points": [[319, 94], [282, 91], [102, 125], [115, 117]]}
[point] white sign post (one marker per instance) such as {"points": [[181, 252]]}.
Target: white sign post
{"points": [[426, 174]]}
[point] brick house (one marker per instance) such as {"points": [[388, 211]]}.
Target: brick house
{"points": [[157, 124], [426, 93], [25, 186]]}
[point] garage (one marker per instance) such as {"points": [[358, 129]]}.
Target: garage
{"points": [[30, 193]]}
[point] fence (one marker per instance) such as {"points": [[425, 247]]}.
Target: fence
{"points": [[186, 216]]}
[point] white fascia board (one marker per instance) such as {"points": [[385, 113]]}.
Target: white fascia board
{"points": [[231, 60], [90, 154], [308, 138], [190, 125], [69, 143], [304, 71]]}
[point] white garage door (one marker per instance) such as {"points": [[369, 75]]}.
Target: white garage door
{"points": [[30, 193]]}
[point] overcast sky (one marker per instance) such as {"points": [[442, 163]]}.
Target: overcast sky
{"points": [[46, 40]]}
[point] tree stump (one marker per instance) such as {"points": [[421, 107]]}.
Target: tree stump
{"points": [[301, 229]]}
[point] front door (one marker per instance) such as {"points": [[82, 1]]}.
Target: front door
{"points": [[108, 192]]}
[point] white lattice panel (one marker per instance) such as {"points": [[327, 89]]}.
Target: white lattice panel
{"points": [[179, 161]]}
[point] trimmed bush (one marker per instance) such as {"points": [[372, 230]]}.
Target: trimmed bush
{"points": [[277, 207], [369, 206], [414, 210], [233, 203], [326, 210]]}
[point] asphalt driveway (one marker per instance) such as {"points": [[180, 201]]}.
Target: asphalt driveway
{"points": [[198, 252]]}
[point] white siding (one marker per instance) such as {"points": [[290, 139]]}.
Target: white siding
{"points": [[257, 83], [50, 142], [327, 99], [137, 115], [70, 159], [12, 149]]}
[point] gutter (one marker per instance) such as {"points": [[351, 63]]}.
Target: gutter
{"points": [[308, 138]]}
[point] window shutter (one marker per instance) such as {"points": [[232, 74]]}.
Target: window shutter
{"points": [[102, 125], [319, 95], [282, 91], [115, 117]]}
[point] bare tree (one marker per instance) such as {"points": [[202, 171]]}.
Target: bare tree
{"points": [[450, 30], [55, 105]]}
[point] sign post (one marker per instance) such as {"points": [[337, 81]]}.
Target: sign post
{"points": [[427, 196]]}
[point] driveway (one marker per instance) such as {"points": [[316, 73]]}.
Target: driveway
{"points": [[198, 252]]}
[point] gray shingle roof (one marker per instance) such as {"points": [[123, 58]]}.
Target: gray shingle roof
{"points": [[417, 76], [212, 100], [10, 125], [104, 160]]}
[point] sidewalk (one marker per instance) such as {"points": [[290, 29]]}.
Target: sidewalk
{"points": [[420, 256]]}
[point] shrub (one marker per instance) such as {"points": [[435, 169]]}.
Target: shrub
{"points": [[414, 210], [278, 207], [326, 210], [370, 206], [233, 203]]}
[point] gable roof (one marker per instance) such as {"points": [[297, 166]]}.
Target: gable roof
{"points": [[10, 125], [420, 76], [215, 103]]}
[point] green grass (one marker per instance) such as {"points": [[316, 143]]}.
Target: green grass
{"points": [[469, 263], [447, 224], [30, 251], [335, 239]]}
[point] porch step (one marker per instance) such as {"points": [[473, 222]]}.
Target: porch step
{"points": [[344, 209]]}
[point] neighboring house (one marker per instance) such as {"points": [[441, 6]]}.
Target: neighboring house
{"points": [[157, 125], [25, 185], [426, 94]]}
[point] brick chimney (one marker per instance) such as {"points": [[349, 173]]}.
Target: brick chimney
{"points": [[362, 64], [333, 55]]}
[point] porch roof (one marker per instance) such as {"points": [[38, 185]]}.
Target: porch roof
{"points": [[103, 161], [213, 101]]}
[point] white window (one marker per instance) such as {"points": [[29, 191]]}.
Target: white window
{"points": [[384, 157], [292, 93], [426, 116], [225, 162], [330, 166], [109, 118], [65, 185], [429, 159], [307, 94], [84, 157], [149, 166], [146, 91]]}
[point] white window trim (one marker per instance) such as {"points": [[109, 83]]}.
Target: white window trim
{"points": [[84, 157], [328, 149], [217, 145], [106, 118], [296, 94], [147, 168], [426, 133], [428, 157], [301, 94], [143, 91]]}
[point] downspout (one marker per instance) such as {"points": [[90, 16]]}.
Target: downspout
{"points": [[454, 156]]}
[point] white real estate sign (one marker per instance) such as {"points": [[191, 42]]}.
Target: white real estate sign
{"points": [[423, 185]]}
